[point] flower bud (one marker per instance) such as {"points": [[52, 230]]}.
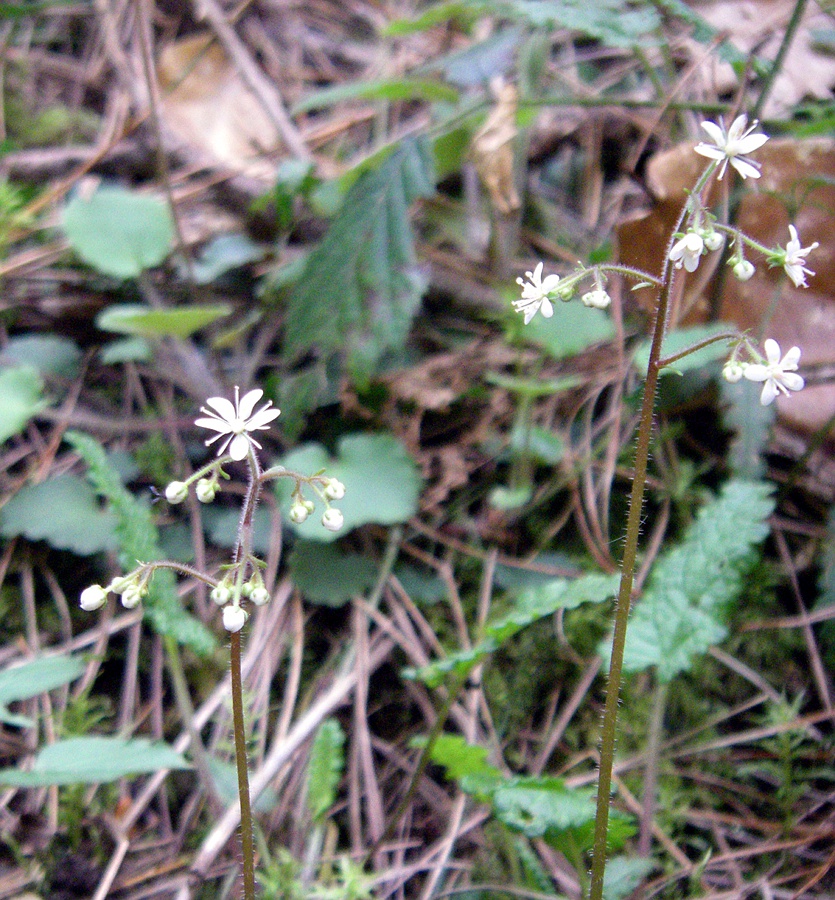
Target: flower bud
{"points": [[93, 597], [333, 519], [234, 618], [597, 299], [260, 595], [733, 371], [221, 593], [176, 492], [743, 269], [334, 489], [713, 240], [205, 490], [131, 596], [298, 513]]}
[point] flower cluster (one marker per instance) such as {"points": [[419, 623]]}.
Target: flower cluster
{"points": [[777, 373]]}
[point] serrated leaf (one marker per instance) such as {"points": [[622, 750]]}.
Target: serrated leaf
{"points": [[144, 321], [382, 483], [683, 610], [535, 806], [617, 23], [751, 424], [460, 759], [326, 575], [93, 760], [138, 541], [391, 89], [32, 678], [324, 768], [20, 399], [119, 232], [361, 286], [62, 511]]}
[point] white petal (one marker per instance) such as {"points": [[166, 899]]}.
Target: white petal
{"points": [[745, 168], [737, 128], [536, 275], [215, 424], [550, 283], [262, 418], [715, 133], [546, 309], [793, 235], [756, 372], [709, 150], [247, 403], [791, 359], [793, 381], [772, 351], [239, 447], [769, 392], [751, 143], [223, 407]]}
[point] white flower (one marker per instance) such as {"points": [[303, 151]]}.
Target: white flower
{"points": [[778, 374], [334, 489], [176, 492], [93, 597], [688, 251], [234, 618], [235, 422], [535, 294], [597, 299], [731, 145], [333, 519], [743, 269], [794, 263]]}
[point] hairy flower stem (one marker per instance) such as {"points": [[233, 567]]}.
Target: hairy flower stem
{"points": [[247, 849], [630, 551]]}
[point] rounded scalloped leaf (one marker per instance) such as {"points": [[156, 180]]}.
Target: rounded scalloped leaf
{"points": [[20, 399], [143, 321], [382, 483], [118, 232]]}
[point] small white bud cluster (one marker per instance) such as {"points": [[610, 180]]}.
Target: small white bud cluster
{"points": [[329, 489], [130, 588]]}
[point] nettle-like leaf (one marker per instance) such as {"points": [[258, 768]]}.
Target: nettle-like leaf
{"points": [[32, 678], [382, 482], [531, 604], [119, 232], [682, 612], [617, 23], [325, 768], [751, 423], [62, 511], [93, 760], [20, 399], [361, 286], [138, 541]]}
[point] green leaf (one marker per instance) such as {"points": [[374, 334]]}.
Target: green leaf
{"points": [[683, 609], [362, 285], [221, 527], [138, 541], [436, 14], [679, 340], [382, 483], [542, 444], [33, 678], [325, 767], [623, 875], [326, 575], [535, 806], [225, 777], [119, 232], [461, 760], [224, 253], [50, 354], [20, 399], [126, 350], [392, 89], [92, 760], [616, 23], [572, 329], [751, 423], [143, 321], [62, 511]]}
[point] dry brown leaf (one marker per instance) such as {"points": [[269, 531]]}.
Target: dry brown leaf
{"points": [[492, 151], [206, 103]]}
